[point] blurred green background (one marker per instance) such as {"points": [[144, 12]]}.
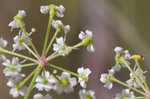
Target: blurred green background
{"points": [[114, 22]]}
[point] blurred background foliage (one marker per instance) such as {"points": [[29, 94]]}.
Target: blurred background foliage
{"points": [[114, 22]]}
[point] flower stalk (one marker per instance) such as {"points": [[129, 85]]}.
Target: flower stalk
{"points": [[37, 72], [51, 15]]}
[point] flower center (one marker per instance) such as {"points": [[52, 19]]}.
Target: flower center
{"points": [[43, 60]]}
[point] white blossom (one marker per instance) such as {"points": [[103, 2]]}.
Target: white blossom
{"points": [[59, 43], [60, 11], [117, 67], [45, 82], [90, 48], [57, 23], [87, 94], [67, 29], [126, 93], [8, 71], [61, 47], [14, 80], [19, 39], [83, 72], [2, 57], [68, 86], [85, 34], [133, 81], [118, 50], [105, 79], [17, 92], [13, 24], [40, 96], [3, 43], [44, 9], [88, 34], [127, 55], [21, 13], [10, 83]]}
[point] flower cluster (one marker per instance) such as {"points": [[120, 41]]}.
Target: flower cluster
{"points": [[136, 82], [44, 79]]}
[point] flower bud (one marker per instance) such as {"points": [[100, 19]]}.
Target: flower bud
{"points": [[137, 57]]}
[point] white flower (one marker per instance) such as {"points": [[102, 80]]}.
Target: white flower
{"points": [[46, 83], [8, 71], [104, 79], [90, 48], [57, 23], [16, 92], [127, 55], [3, 43], [61, 47], [67, 83], [13, 24], [59, 43], [133, 81], [67, 29], [117, 67], [21, 13], [19, 39], [14, 80], [118, 50], [10, 83], [44, 9], [40, 96], [83, 72], [60, 11], [87, 34], [2, 57], [126, 93], [87, 94]]}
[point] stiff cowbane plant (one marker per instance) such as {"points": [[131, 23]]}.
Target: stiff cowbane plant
{"points": [[136, 86], [44, 77]]}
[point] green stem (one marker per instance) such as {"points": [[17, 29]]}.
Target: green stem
{"points": [[55, 55], [113, 79], [22, 66], [37, 72], [55, 76], [52, 40], [77, 45], [70, 72], [47, 32], [137, 79], [30, 50], [43, 75], [34, 48], [141, 73], [16, 54], [22, 83]]}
